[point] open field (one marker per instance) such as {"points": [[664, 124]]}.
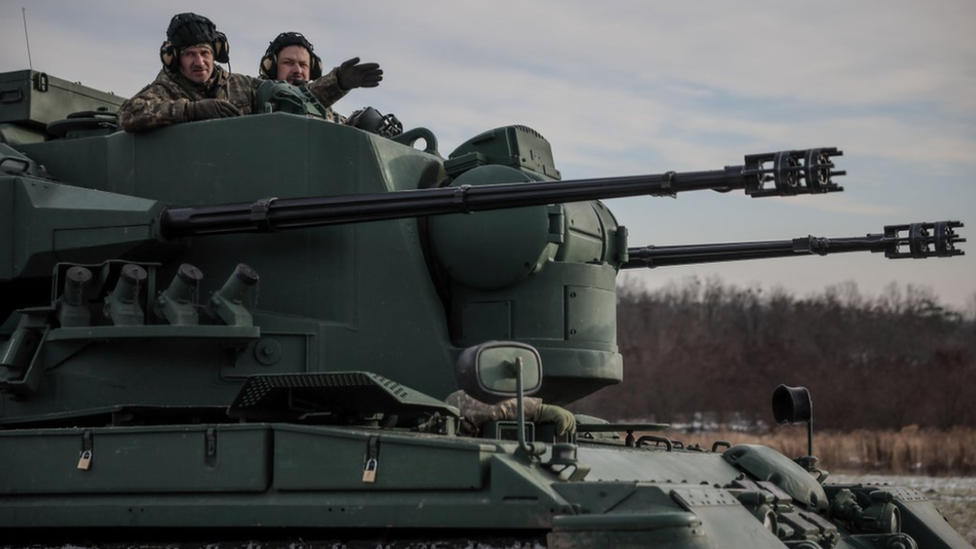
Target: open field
{"points": [[911, 451], [940, 464]]}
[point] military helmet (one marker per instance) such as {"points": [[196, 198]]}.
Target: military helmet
{"points": [[189, 29], [269, 63]]}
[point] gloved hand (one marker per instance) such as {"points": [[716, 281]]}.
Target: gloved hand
{"points": [[353, 75], [564, 420], [205, 109]]}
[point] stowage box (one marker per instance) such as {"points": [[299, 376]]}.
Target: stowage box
{"points": [[35, 99]]}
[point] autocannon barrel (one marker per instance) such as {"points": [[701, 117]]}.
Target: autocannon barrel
{"points": [[773, 174], [915, 240]]}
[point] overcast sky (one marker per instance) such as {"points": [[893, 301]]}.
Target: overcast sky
{"points": [[622, 88]]}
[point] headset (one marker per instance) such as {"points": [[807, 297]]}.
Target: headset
{"points": [[269, 63], [190, 29]]}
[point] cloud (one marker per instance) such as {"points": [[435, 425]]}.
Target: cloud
{"points": [[841, 203]]}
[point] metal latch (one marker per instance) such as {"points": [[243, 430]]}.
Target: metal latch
{"points": [[41, 82], [210, 443]]}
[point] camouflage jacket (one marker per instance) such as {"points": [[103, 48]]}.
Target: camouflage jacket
{"points": [[163, 102], [475, 413]]}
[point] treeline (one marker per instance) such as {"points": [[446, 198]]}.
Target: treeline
{"points": [[715, 352]]}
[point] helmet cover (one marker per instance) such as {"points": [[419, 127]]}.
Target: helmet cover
{"points": [[190, 29]]}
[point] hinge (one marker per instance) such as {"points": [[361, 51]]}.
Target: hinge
{"points": [[557, 224]]}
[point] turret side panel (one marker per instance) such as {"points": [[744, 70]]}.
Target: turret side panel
{"points": [[364, 290]]}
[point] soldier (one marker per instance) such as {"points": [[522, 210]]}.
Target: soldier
{"points": [[475, 413], [291, 57], [191, 87]]}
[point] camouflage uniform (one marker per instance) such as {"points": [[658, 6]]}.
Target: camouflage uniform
{"points": [[475, 413], [163, 102]]}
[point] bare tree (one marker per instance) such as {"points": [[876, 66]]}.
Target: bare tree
{"points": [[697, 348]]}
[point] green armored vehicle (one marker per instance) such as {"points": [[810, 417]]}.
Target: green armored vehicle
{"points": [[242, 332]]}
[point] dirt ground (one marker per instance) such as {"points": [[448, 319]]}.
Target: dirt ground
{"points": [[954, 496]]}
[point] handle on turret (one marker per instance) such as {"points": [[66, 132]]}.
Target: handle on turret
{"points": [[914, 240], [788, 172]]}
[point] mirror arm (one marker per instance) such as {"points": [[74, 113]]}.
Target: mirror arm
{"points": [[532, 451], [810, 432]]}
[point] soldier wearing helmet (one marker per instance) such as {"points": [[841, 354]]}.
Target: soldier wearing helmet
{"points": [[291, 57], [192, 87]]}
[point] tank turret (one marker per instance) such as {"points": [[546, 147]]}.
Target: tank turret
{"points": [[276, 323], [548, 251]]}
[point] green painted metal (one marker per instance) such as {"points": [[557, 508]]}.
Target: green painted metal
{"points": [[32, 99], [257, 385]]}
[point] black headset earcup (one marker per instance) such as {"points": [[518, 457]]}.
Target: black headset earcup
{"points": [[221, 48], [316, 69], [167, 55], [269, 66]]}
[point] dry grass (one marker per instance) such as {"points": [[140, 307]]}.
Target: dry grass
{"points": [[909, 451]]}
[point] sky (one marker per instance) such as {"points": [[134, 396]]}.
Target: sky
{"points": [[634, 87]]}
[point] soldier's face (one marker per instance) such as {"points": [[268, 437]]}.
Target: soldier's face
{"points": [[196, 63], [294, 64]]}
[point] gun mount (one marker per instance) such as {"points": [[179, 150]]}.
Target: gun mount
{"points": [[175, 361]]}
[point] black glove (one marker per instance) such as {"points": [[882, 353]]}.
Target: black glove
{"points": [[353, 75], [205, 109]]}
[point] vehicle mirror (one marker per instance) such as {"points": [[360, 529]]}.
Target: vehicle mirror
{"points": [[792, 405], [489, 372]]}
